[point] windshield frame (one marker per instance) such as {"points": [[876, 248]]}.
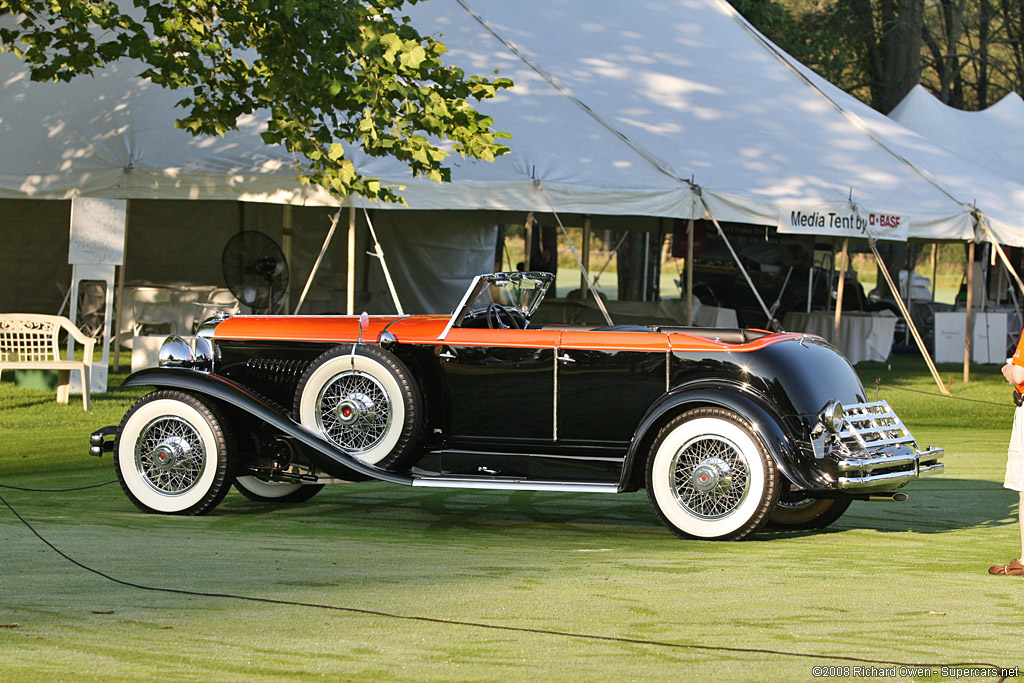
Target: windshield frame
{"points": [[482, 284]]}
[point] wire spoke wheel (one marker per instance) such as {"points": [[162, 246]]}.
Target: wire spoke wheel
{"points": [[353, 411], [363, 400], [170, 455], [709, 476]]}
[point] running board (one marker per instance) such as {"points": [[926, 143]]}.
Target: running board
{"points": [[514, 484]]}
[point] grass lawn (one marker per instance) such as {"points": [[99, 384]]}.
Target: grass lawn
{"points": [[441, 585]]}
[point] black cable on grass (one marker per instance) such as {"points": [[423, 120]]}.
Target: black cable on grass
{"points": [[878, 385], [493, 627], [76, 488]]}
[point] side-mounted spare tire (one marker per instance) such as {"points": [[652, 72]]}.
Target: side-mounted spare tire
{"points": [[364, 400]]}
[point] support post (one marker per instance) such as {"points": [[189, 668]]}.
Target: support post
{"points": [[119, 301], [844, 257], [527, 241], [935, 267], [585, 257], [689, 273], [350, 279], [906, 316], [970, 318]]}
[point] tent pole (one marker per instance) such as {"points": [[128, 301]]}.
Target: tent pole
{"points": [[970, 306], [120, 288], [584, 282], [906, 316], [689, 273], [935, 267], [844, 257], [736, 258], [350, 278], [316, 264], [286, 245], [528, 241], [585, 273], [379, 253]]}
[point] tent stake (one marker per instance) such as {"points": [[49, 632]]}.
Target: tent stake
{"points": [[906, 316]]}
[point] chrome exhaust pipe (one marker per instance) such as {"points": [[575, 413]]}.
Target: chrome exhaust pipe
{"points": [[895, 497]]}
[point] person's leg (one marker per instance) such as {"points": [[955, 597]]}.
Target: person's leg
{"points": [[1020, 523]]}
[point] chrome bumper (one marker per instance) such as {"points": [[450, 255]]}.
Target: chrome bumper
{"points": [[879, 452]]}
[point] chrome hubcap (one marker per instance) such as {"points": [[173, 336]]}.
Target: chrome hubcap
{"points": [[353, 411], [170, 455], [710, 477]]}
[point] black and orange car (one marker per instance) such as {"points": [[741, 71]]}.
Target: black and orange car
{"points": [[727, 429]]}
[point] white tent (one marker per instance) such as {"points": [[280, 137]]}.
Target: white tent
{"points": [[618, 109], [992, 137]]}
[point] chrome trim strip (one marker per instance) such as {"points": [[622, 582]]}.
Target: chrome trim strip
{"points": [[554, 403], [514, 484], [466, 451]]}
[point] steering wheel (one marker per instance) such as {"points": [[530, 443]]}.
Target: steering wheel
{"points": [[501, 318]]}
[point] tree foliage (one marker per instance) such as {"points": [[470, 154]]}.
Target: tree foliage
{"points": [[970, 53], [322, 72]]}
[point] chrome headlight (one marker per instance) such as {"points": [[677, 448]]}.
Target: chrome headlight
{"points": [[175, 352], [831, 416]]}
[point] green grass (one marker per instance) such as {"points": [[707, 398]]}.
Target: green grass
{"points": [[888, 582]]}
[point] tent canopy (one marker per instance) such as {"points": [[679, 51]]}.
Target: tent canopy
{"points": [[646, 109]]}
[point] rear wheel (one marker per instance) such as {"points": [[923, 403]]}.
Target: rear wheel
{"points": [[362, 399], [807, 513], [710, 477], [171, 454]]}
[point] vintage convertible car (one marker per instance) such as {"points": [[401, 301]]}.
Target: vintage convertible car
{"points": [[727, 429]]}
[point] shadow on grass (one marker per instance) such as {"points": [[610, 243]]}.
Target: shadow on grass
{"points": [[934, 507]]}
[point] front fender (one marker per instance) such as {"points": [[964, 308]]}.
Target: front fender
{"points": [[765, 422], [325, 455]]}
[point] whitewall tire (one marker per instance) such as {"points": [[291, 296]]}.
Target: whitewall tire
{"points": [[710, 477], [171, 454], [362, 400]]}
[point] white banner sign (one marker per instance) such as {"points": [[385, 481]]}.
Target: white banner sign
{"points": [[97, 231], [841, 220]]}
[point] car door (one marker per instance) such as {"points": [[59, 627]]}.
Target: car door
{"points": [[500, 386], [606, 382]]}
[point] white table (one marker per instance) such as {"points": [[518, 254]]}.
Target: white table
{"points": [[862, 336]]}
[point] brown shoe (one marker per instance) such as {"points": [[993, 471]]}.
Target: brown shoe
{"points": [[1014, 568]]}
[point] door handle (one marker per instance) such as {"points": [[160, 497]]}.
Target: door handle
{"points": [[448, 355], [566, 358]]}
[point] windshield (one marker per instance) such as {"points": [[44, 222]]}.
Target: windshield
{"points": [[521, 292]]}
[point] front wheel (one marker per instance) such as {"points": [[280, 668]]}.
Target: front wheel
{"points": [[171, 454], [710, 477], [261, 491]]}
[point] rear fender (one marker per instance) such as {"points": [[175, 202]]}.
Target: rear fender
{"points": [[324, 454], [764, 421]]}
